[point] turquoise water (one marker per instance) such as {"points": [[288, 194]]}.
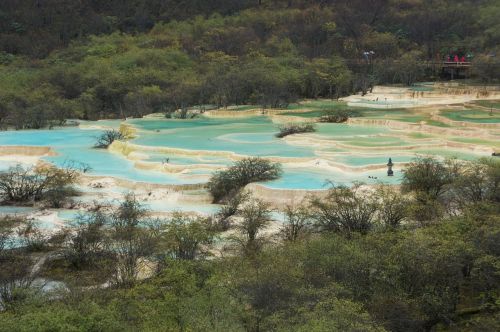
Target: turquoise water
{"points": [[68, 215], [311, 114], [305, 178], [5, 165], [250, 136], [253, 136], [178, 159], [396, 103], [342, 130], [74, 144], [421, 88], [158, 206], [355, 160], [450, 154], [476, 116], [15, 210]]}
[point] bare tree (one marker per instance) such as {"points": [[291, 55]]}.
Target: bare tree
{"points": [[296, 224], [256, 215], [133, 237], [87, 239], [184, 235], [19, 184], [107, 138], [231, 208], [344, 210], [31, 237], [6, 231], [16, 280], [392, 206]]}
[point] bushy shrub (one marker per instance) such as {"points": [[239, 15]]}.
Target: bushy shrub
{"points": [[338, 116], [296, 223], [295, 128], [256, 216], [429, 176], [345, 210], [87, 241], [107, 138], [184, 236], [228, 182], [21, 185], [183, 114], [392, 206], [31, 236], [233, 205], [7, 227]]}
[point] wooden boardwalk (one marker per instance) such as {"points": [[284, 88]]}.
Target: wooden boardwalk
{"points": [[452, 64], [452, 68]]}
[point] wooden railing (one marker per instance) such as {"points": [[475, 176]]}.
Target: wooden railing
{"points": [[454, 64]]}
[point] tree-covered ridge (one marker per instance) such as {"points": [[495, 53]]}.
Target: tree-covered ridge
{"points": [[35, 27], [271, 55]]}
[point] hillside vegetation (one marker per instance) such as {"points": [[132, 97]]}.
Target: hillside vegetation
{"points": [[93, 60], [423, 258]]}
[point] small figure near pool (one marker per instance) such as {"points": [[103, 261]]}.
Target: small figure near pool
{"points": [[390, 172]]}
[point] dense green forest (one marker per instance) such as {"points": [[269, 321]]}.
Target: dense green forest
{"points": [[423, 257], [107, 59]]}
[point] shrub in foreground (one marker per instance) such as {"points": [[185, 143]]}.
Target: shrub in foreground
{"points": [[233, 205], [49, 183], [226, 183], [345, 210]]}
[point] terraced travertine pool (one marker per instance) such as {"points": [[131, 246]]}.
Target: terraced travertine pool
{"points": [[76, 144], [178, 152], [472, 115], [341, 153]]}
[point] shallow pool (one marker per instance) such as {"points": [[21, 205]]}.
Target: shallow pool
{"points": [[75, 144], [307, 178], [351, 145], [254, 136], [15, 210], [470, 115]]}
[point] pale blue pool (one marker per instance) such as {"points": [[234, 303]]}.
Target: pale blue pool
{"points": [[303, 178], [252, 136], [249, 136], [15, 210], [75, 144]]}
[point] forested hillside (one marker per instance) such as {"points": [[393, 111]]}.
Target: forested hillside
{"points": [[95, 59], [35, 27]]}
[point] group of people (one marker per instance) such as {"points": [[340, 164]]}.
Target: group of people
{"points": [[458, 59]]}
